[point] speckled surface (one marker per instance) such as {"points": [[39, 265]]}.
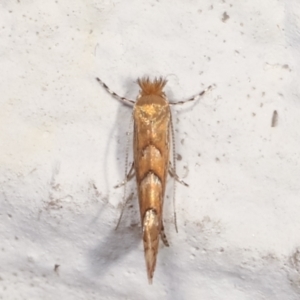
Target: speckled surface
{"points": [[63, 144]]}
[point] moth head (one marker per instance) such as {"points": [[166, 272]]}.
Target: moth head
{"points": [[154, 87]]}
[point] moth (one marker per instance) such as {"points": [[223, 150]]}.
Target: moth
{"points": [[274, 121], [152, 120]]}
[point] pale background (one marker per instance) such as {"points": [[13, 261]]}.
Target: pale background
{"points": [[63, 144]]}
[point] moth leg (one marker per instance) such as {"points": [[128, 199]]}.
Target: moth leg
{"points": [[123, 208], [174, 175], [163, 235], [129, 176]]}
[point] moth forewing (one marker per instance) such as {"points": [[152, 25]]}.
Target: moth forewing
{"points": [[151, 159]]}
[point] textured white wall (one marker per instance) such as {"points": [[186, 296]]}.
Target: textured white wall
{"points": [[63, 140]]}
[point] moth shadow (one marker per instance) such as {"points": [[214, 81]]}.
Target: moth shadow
{"points": [[122, 132], [113, 248], [118, 243]]}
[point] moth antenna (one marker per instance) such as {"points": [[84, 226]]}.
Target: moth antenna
{"points": [[123, 99], [192, 98], [123, 208]]}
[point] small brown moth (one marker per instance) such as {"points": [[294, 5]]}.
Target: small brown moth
{"points": [[274, 121], [151, 146]]}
